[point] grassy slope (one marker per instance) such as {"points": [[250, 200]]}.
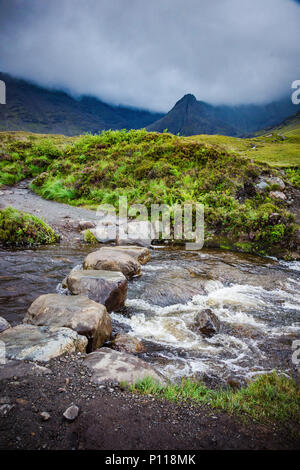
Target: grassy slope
{"points": [[19, 228], [269, 398], [162, 168]]}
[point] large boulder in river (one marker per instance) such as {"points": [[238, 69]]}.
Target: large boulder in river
{"points": [[110, 366], [79, 313], [139, 253], [127, 343], [4, 325], [109, 288], [207, 322], [110, 259], [137, 232], [40, 343]]}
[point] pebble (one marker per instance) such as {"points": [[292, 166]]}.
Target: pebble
{"points": [[71, 413], [45, 416]]}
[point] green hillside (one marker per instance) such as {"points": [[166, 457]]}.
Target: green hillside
{"points": [[148, 168]]}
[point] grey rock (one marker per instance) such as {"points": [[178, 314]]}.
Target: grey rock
{"points": [[110, 366], [262, 186], [5, 409], [127, 343], [109, 288], [41, 343], [45, 416], [110, 259], [4, 325], [139, 253], [207, 322], [71, 413], [275, 180], [79, 313]]}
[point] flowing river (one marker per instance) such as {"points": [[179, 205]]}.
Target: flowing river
{"points": [[256, 299]]}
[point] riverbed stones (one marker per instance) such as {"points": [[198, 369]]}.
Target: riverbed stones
{"points": [[111, 366], [110, 259], [4, 325], [138, 232], [207, 322], [139, 253], [41, 343], [79, 313], [126, 343], [109, 288]]}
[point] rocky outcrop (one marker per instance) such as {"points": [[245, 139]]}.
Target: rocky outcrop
{"points": [[4, 325], [40, 343], [109, 288], [79, 313], [127, 343], [110, 366], [207, 323], [139, 253], [109, 259]]}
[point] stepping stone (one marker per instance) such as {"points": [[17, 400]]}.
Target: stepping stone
{"points": [[40, 343], [110, 259], [141, 254], [109, 288], [78, 313]]}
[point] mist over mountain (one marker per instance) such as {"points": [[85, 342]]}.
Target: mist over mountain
{"points": [[192, 117], [36, 109]]}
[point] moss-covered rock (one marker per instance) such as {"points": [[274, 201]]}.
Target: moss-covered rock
{"points": [[19, 228]]}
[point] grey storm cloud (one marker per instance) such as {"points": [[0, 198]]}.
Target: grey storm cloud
{"points": [[149, 53]]}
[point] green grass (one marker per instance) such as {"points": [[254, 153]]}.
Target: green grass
{"points": [[21, 229], [148, 168], [271, 397]]}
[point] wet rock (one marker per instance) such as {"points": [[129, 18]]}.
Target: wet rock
{"points": [[127, 343], [86, 224], [79, 313], [110, 366], [109, 288], [4, 325], [139, 253], [276, 181], [41, 343], [109, 259], [71, 413], [45, 416], [13, 369], [207, 322], [278, 195]]}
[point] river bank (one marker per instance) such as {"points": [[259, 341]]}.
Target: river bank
{"points": [[255, 298]]}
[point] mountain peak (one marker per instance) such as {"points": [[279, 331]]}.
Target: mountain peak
{"points": [[187, 99]]}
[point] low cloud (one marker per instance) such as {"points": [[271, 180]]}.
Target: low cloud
{"points": [[149, 53]]}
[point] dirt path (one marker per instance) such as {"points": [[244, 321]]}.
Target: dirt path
{"points": [[62, 217], [110, 418]]}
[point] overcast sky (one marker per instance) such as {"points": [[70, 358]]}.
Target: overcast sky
{"points": [[149, 53]]}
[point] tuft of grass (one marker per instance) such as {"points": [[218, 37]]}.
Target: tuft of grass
{"points": [[21, 229], [271, 397], [90, 238]]}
